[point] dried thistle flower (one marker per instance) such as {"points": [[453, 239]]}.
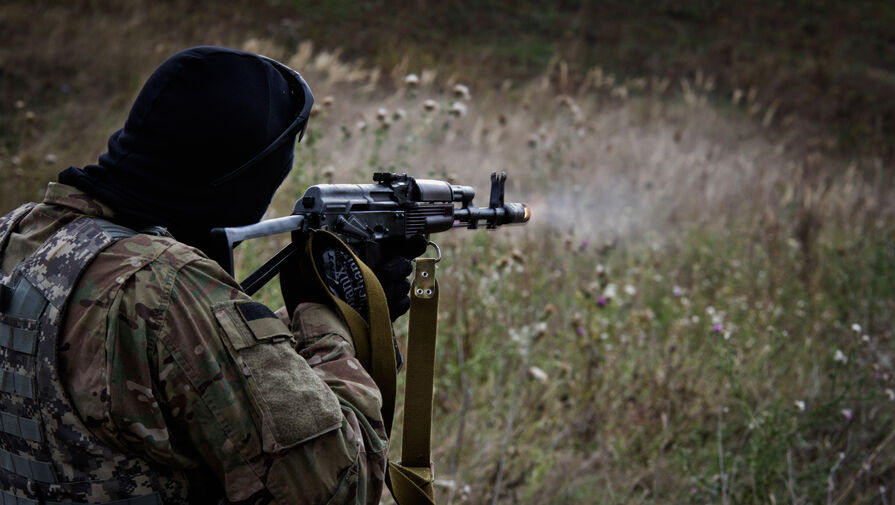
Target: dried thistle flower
{"points": [[315, 110], [540, 331], [538, 375], [382, 114], [361, 125], [430, 105], [461, 92], [611, 291], [399, 114], [30, 115], [458, 109], [51, 158], [411, 80], [20, 104], [328, 100]]}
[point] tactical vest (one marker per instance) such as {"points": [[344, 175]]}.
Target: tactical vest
{"points": [[47, 454]]}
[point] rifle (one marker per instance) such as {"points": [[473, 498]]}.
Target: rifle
{"points": [[364, 215]]}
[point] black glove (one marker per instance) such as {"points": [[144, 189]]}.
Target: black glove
{"points": [[341, 274], [343, 278], [393, 269]]}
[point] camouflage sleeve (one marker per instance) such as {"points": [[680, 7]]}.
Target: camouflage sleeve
{"points": [[277, 416], [325, 342]]}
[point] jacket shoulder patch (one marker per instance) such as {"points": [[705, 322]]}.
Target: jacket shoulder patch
{"points": [[291, 400]]}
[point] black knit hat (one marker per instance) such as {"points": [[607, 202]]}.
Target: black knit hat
{"points": [[207, 142]]}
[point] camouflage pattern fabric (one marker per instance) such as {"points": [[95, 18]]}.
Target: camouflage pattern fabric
{"points": [[166, 360], [47, 453]]}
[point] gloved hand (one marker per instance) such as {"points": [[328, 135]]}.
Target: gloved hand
{"points": [[343, 278], [393, 269], [391, 265]]}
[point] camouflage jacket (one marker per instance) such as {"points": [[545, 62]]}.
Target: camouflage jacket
{"points": [[166, 359]]}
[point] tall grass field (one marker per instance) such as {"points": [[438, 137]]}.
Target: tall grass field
{"points": [[700, 311]]}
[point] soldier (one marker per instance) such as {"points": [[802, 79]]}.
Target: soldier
{"points": [[133, 370]]}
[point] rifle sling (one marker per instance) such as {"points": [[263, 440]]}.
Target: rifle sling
{"points": [[411, 480], [372, 339]]}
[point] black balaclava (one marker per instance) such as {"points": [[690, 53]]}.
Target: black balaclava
{"points": [[202, 114]]}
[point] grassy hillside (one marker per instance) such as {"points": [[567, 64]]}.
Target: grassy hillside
{"points": [[822, 70], [701, 309], [830, 62]]}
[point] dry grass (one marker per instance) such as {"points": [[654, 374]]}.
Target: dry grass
{"points": [[676, 322], [686, 287]]}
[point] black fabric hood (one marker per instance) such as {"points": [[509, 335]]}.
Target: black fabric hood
{"points": [[202, 114]]}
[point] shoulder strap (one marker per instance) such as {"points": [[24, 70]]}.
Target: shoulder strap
{"points": [[9, 221], [119, 232], [116, 231], [373, 337], [62, 258], [7, 224], [411, 480]]}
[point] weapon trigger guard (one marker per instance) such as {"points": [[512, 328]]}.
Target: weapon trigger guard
{"points": [[437, 251]]}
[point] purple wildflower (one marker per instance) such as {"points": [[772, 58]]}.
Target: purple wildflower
{"points": [[602, 301], [717, 328], [580, 331]]}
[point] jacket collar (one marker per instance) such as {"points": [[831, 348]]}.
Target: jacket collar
{"points": [[68, 196]]}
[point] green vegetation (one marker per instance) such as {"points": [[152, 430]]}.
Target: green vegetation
{"points": [[701, 309], [696, 313]]}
